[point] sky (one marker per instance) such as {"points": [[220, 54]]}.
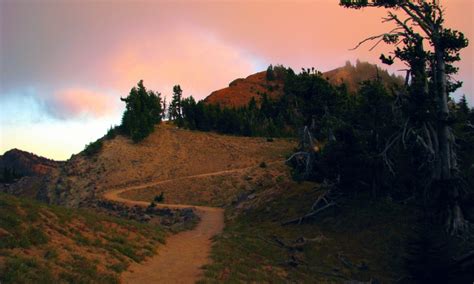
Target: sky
{"points": [[64, 64]]}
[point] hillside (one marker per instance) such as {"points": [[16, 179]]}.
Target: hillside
{"points": [[27, 164], [241, 91], [44, 244], [353, 75], [168, 153], [26, 174]]}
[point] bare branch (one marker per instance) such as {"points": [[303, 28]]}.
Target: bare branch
{"points": [[309, 215], [422, 24], [380, 37]]}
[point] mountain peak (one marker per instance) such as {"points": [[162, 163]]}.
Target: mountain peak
{"points": [[240, 91]]}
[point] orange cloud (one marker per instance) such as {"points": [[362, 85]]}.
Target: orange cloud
{"points": [[76, 102]]}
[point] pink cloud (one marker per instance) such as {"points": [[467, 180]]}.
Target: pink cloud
{"points": [[199, 62], [77, 102]]}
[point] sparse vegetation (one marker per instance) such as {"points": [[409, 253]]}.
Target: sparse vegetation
{"points": [[30, 233], [93, 148], [160, 198], [112, 132]]}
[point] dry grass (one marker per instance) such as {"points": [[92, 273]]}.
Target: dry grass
{"points": [[169, 153], [44, 244]]}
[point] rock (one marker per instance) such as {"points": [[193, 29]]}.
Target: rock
{"points": [[146, 218], [241, 197], [251, 196]]}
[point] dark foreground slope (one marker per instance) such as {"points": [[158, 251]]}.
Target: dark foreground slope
{"points": [[360, 239]]}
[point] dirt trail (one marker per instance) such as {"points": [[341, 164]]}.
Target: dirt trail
{"points": [[115, 194], [181, 258]]}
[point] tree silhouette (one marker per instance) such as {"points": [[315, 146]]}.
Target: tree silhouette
{"points": [[175, 108], [143, 110], [426, 114]]}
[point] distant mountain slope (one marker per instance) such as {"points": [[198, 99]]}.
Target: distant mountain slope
{"points": [[241, 91], [354, 75], [26, 174], [27, 164]]}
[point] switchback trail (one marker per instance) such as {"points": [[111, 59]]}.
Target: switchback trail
{"points": [[181, 258]]}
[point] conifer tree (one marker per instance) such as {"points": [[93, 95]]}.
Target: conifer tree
{"points": [[143, 111], [175, 108]]}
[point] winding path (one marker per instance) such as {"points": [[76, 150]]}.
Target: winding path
{"points": [[181, 258]]}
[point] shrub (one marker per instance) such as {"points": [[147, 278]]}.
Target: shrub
{"points": [[51, 254], [25, 270], [112, 132], [36, 236], [160, 198], [93, 148], [263, 165]]}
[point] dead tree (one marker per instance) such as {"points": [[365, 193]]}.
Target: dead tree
{"points": [[430, 72], [305, 157]]}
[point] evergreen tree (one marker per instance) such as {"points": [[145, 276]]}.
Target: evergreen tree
{"points": [[270, 75], [143, 111], [175, 108]]}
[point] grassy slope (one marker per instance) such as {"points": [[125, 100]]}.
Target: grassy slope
{"points": [[44, 244], [172, 153], [167, 153], [368, 235]]}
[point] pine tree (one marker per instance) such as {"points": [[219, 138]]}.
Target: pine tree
{"points": [[143, 111], [175, 108]]}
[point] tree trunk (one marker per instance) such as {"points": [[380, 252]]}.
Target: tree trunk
{"points": [[443, 115], [455, 221]]}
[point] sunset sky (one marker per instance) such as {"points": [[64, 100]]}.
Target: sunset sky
{"points": [[65, 64]]}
